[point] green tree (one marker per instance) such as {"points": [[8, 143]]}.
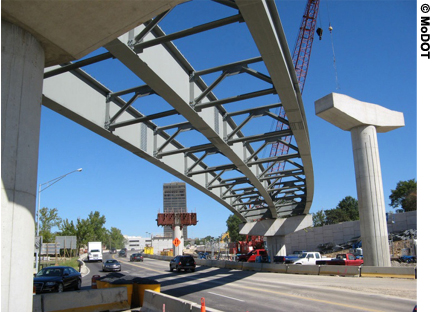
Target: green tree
{"points": [[96, 229], [346, 210], [48, 218], [67, 228], [319, 219], [404, 195], [233, 223], [116, 239], [89, 229]]}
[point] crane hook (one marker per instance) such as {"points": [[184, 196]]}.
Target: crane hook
{"points": [[319, 32]]}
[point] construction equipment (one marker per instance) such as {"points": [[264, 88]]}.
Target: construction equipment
{"points": [[300, 58]]}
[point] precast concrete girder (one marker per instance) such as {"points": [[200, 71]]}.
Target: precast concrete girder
{"points": [[224, 163]]}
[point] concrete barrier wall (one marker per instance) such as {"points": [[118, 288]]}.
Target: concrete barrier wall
{"points": [[94, 300], [248, 266], [208, 263], [219, 263], [397, 272], [159, 302], [303, 269], [339, 270], [234, 265], [275, 268], [400, 272]]}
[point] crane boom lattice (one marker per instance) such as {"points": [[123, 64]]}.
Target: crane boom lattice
{"points": [[300, 58]]}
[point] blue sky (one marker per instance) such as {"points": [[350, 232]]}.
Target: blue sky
{"points": [[375, 46]]}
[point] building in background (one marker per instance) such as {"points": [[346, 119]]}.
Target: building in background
{"points": [[174, 201], [136, 243]]}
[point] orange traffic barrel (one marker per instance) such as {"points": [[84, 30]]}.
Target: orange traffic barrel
{"points": [[94, 279]]}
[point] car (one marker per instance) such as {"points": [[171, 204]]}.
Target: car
{"points": [[111, 266], [136, 257], [123, 253], [182, 262], [112, 251], [56, 279]]}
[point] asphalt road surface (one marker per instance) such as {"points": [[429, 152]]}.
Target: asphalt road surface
{"points": [[241, 291]]}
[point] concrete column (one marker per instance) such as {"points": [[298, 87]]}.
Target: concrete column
{"points": [[177, 233], [372, 212], [21, 89], [364, 120], [275, 246]]}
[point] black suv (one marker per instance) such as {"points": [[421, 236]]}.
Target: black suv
{"points": [[182, 262]]}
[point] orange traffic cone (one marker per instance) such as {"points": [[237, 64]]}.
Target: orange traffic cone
{"points": [[202, 305]]}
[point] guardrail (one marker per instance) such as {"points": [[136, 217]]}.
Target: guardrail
{"points": [[339, 270]]}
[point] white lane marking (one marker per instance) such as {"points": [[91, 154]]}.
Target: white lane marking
{"points": [[225, 296]]}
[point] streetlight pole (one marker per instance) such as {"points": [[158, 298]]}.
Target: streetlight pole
{"points": [[49, 184], [151, 237]]}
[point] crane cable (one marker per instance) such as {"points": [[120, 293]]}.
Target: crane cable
{"points": [[333, 48]]}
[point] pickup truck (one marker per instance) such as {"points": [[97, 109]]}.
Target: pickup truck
{"points": [[342, 259], [261, 254], [308, 258], [287, 258]]}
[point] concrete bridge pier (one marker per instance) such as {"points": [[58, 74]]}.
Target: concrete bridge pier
{"points": [[21, 88], [275, 246], [178, 234], [364, 120]]}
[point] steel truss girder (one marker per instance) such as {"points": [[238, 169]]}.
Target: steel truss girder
{"points": [[260, 188]]}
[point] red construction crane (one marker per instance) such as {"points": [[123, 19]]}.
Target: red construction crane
{"points": [[300, 58]]}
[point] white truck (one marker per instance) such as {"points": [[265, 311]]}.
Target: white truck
{"points": [[94, 251], [309, 258]]}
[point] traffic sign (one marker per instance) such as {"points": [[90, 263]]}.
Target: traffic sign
{"points": [[176, 242]]}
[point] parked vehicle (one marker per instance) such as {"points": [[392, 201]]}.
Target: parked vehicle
{"points": [[122, 253], [348, 259], [182, 262], [94, 251], [111, 266], [136, 257], [308, 258], [57, 279], [287, 259], [257, 255], [358, 252], [407, 259], [112, 251]]}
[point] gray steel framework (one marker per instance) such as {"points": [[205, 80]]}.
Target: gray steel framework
{"points": [[238, 177]]}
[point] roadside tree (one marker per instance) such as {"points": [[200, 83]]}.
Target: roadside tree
{"points": [[319, 219], [48, 218], [346, 210], [404, 195], [233, 223]]}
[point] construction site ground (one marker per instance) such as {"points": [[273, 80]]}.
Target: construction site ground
{"points": [[397, 252]]}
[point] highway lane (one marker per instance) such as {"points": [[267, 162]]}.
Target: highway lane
{"points": [[232, 290]]}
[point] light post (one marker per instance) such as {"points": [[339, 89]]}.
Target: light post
{"points": [[49, 183], [151, 237]]}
